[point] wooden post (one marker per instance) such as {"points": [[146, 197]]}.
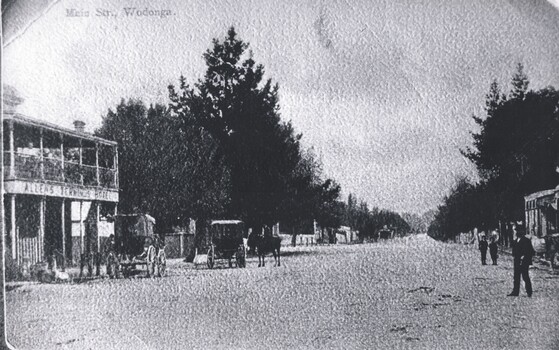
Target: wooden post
{"points": [[181, 242], [63, 229], [13, 224], [114, 221], [97, 214], [41, 155], [2, 225], [62, 155], [98, 255], [81, 228], [115, 165], [41, 227], [12, 149], [97, 163], [81, 173], [501, 233], [538, 222]]}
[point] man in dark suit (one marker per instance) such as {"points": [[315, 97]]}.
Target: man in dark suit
{"points": [[522, 251], [483, 248]]}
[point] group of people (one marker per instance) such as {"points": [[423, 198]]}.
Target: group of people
{"points": [[522, 252], [483, 245]]}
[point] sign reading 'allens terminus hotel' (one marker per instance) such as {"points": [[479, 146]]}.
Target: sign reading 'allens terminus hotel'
{"points": [[59, 190]]}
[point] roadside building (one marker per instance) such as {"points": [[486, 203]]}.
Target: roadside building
{"points": [[344, 234], [300, 233], [61, 191], [542, 216], [542, 223]]}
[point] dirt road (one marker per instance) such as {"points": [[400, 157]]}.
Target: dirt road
{"points": [[410, 293]]}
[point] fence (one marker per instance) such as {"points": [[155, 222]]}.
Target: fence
{"points": [[179, 245], [301, 240], [29, 251]]}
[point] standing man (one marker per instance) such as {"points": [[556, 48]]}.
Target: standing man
{"points": [[493, 249], [522, 251], [483, 248]]}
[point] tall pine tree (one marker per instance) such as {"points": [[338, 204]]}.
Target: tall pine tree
{"points": [[241, 111]]}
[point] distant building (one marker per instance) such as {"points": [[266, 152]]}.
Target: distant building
{"points": [[61, 189], [344, 234]]}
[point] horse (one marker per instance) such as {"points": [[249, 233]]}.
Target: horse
{"points": [[263, 245]]}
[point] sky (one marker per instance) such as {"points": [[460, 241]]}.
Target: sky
{"points": [[383, 91]]}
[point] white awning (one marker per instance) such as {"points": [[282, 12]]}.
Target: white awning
{"points": [[226, 222]]}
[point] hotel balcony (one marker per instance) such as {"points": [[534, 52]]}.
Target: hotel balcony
{"points": [[31, 167], [37, 152]]}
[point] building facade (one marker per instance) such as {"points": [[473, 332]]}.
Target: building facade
{"points": [[60, 191], [542, 215]]}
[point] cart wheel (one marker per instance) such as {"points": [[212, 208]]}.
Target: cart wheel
{"points": [[211, 257], [150, 261], [240, 257], [161, 263], [555, 260]]}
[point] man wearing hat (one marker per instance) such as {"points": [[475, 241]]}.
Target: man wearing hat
{"points": [[493, 249], [522, 251], [482, 245]]}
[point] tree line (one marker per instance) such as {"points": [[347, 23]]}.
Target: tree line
{"points": [[220, 150], [368, 222], [515, 151]]}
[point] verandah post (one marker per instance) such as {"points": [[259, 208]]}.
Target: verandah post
{"points": [[63, 229]]}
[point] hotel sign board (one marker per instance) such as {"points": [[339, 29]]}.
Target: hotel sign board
{"points": [[61, 190]]}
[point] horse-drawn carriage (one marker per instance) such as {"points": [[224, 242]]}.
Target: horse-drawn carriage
{"points": [[227, 241], [385, 233], [135, 243]]}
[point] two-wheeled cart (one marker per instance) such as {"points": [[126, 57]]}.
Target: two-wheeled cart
{"points": [[136, 244]]}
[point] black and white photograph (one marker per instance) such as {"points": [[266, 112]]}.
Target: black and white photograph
{"points": [[261, 174]]}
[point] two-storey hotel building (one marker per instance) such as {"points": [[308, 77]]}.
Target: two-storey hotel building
{"points": [[60, 190]]}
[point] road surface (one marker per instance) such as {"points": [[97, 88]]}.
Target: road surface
{"points": [[411, 293]]}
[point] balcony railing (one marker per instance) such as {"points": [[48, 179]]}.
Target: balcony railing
{"points": [[52, 169], [89, 175], [29, 167], [72, 173], [107, 177]]}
